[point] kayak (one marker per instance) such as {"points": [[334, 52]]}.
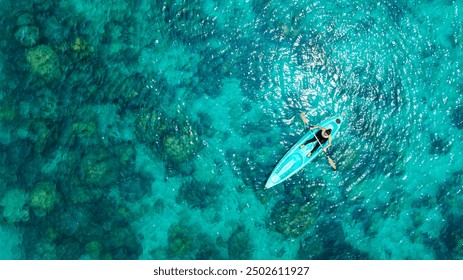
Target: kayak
{"points": [[296, 158]]}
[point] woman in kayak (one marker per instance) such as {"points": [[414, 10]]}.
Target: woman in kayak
{"points": [[322, 135]]}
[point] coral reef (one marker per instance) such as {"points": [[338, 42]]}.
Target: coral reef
{"points": [[84, 129], [94, 248], [124, 244], [177, 148], [240, 246], [134, 91], [81, 193], [181, 145], [310, 248], [27, 36], [7, 113], [177, 140], [14, 204], [80, 46], [44, 133], [181, 242], [43, 197], [198, 194], [25, 19], [46, 105], [188, 22], [439, 146], [44, 250], [456, 116], [208, 249], [293, 218], [99, 168], [44, 62]]}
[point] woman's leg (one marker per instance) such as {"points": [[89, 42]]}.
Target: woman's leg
{"points": [[314, 148], [308, 141]]}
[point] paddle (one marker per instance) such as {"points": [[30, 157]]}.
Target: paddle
{"points": [[306, 122]]}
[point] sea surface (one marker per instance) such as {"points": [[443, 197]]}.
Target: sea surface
{"points": [[143, 129]]}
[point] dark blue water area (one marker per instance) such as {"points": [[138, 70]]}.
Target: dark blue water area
{"points": [[147, 129]]}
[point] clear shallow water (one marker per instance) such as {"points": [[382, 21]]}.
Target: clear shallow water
{"points": [[147, 129]]}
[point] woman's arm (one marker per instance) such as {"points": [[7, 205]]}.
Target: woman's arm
{"points": [[329, 143], [317, 126]]}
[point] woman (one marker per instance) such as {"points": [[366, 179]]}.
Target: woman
{"points": [[322, 135]]}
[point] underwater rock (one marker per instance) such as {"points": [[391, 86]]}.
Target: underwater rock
{"points": [[80, 45], [335, 246], [75, 221], [47, 104], [177, 148], [94, 248], [133, 91], [44, 134], [14, 206], [438, 145], [44, 250], [198, 194], [133, 187], [206, 128], [57, 32], [310, 248], [79, 49], [44, 62], [42, 5], [176, 139], [51, 234], [239, 245], [150, 125], [458, 248], [88, 127], [188, 22], [208, 249], [80, 194], [84, 129], [27, 36], [99, 168], [25, 19], [451, 235], [44, 197], [292, 219], [181, 242], [124, 243], [7, 112], [457, 117], [182, 144], [69, 249]]}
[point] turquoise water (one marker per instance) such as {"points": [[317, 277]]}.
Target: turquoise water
{"points": [[147, 129]]}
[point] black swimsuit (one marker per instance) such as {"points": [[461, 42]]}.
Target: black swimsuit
{"points": [[320, 138]]}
